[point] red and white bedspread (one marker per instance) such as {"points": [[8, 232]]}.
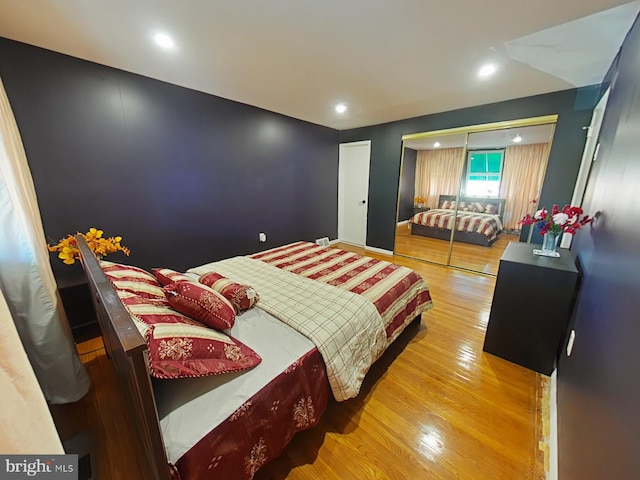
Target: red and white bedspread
{"points": [[398, 293], [482, 223], [228, 426]]}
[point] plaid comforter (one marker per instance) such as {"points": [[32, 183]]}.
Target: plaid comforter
{"points": [[398, 293], [482, 223], [345, 327]]}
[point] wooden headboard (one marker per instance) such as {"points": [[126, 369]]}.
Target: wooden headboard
{"points": [[127, 350], [498, 202]]}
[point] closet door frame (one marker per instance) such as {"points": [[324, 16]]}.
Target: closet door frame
{"points": [[503, 125]]}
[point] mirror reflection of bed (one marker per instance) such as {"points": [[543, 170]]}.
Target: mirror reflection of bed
{"points": [[481, 181]]}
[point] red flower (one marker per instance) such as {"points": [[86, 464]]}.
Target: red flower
{"points": [[547, 223]]}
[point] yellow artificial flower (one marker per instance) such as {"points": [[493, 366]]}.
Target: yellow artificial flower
{"points": [[68, 250], [67, 255]]}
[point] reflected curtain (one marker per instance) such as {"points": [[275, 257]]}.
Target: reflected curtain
{"points": [[438, 172], [26, 279], [522, 177]]}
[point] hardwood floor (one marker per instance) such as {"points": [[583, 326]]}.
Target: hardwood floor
{"points": [[433, 406], [463, 255]]}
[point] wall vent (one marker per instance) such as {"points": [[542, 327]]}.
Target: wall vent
{"points": [[323, 242]]}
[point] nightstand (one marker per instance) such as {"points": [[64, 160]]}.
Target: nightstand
{"points": [[531, 306], [76, 300], [420, 209]]}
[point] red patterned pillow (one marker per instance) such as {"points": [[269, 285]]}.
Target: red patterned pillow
{"points": [[242, 297], [181, 347], [202, 303], [448, 205], [133, 279], [166, 276]]}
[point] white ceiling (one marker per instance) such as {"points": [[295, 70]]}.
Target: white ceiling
{"points": [[490, 139], [386, 60]]}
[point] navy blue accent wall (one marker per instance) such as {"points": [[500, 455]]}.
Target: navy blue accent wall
{"points": [[574, 108], [184, 177], [599, 384], [407, 185]]}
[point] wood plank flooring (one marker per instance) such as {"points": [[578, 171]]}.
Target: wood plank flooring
{"points": [[434, 406], [463, 255]]}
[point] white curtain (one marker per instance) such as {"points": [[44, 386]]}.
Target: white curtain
{"points": [[438, 173], [26, 279], [522, 176], [25, 421]]}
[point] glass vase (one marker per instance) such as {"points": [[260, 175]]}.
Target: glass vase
{"points": [[550, 244]]}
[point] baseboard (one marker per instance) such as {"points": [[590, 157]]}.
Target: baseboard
{"points": [[381, 251], [404, 222], [552, 474]]}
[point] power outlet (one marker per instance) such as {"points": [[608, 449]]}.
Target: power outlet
{"points": [[262, 237]]}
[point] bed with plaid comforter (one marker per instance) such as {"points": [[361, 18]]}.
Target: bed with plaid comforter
{"points": [[352, 307]]}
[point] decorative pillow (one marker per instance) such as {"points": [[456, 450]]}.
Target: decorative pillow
{"points": [[465, 207], [202, 303], [166, 276], [181, 347], [478, 207], [242, 297], [448, 205], [490, 208], [133, 279]]}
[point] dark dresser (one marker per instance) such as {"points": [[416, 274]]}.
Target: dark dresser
{"points": [[531, 306]]}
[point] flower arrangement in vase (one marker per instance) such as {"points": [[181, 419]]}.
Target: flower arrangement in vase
{"points": [[69, 252], [419, 202], [555, 222]]}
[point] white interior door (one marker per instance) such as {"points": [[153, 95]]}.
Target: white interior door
{"points": [[353, 192], [589, 156]]}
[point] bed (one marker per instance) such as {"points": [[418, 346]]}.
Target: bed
{"points": [[478, 220], [230, 425]]}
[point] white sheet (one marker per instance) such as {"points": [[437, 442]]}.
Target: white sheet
{"points": [[191, 407]]}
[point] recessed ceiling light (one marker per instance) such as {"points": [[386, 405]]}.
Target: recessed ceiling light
{"points": [[164, 40], [517, 139], [341, 108], [487, 70], [436, 144]]}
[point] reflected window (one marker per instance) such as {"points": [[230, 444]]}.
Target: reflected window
{"points": [[484, 172]]}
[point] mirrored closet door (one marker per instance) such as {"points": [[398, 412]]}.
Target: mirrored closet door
{"points": [[432, 165], [471, 187]]}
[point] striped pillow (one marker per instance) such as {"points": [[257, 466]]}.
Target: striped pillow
{"points": [[478, 207], [242, 297], [182, 347], [133, 279], [490, 208], [166, 276]]}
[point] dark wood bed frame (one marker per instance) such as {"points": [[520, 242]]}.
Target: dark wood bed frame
{"points": [[127, 350], [465, 237]]}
